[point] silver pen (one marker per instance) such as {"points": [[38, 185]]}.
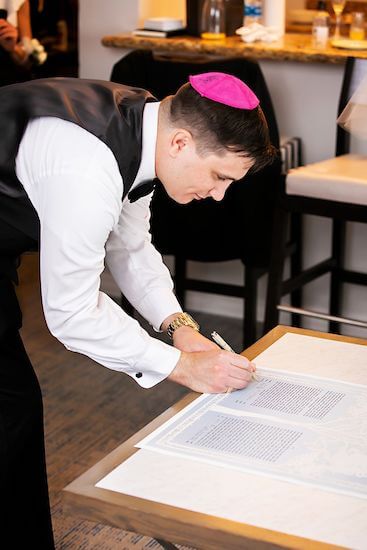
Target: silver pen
{"points": [[223, 344]]}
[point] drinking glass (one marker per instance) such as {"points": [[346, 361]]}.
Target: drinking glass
{"points": [[213, 20], [338, 7], [357, 30]]}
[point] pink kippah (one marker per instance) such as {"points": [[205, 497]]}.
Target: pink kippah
{"points": [[224, 88]]}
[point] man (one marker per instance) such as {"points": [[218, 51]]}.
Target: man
{"points": [[75, 159]]}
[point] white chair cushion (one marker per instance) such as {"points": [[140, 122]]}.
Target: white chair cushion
{"points": [[342, 179]]}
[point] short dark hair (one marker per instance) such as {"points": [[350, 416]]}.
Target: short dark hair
{"points": [[216, 126]]}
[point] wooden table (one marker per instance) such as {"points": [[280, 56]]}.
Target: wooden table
{"points": [[292, 47], [162, 522]]}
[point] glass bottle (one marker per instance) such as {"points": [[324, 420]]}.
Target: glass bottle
{"points": [[213, 21], [253, 12]]}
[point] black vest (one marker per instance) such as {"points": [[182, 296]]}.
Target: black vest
{"points": [[112, 112]]}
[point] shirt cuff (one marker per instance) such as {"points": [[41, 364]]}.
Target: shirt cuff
{"points": [[155, 364]]}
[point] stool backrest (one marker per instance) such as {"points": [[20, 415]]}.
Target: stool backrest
{"points": [[239, 227]]}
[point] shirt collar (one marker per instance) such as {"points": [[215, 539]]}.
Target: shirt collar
{"points": [[150, 126]]}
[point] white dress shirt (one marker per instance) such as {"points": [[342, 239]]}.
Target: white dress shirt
{"points": [[73, 181]]}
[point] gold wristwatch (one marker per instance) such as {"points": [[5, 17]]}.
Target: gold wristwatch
{"points": [[184, 319]]}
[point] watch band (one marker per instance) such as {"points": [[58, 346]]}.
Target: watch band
{"points": [[183, 319]]}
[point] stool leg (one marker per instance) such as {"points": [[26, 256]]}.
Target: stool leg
{"points": [[275, 276], [296, 236], [336, 283], [249, 322], [180, 278]]}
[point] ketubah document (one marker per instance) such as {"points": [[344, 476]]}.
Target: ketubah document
{"points": [[304, 429]]}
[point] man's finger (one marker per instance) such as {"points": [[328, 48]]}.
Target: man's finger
{"points": [[247, 366], [237, 384], [242, 375], [238, 360]]}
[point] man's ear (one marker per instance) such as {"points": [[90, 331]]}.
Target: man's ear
{"points": [[180, 140]]}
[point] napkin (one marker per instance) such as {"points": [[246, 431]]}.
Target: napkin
{"points": [[256, 31]]}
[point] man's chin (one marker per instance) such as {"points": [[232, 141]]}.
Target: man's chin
{"points": [[184, 200]]}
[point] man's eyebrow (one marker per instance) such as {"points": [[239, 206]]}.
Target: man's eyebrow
{"points": [[224, 176]]}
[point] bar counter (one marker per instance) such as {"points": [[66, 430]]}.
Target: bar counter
{"points": [[292, 47]]}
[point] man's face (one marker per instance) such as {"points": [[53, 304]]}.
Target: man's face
{"points": [[188, 176]]}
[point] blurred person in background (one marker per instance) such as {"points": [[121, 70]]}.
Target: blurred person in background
{"points": [[15, 24], [19, 51], [55, 23]]}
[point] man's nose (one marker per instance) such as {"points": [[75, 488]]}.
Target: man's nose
{"points": [[217, 193]]}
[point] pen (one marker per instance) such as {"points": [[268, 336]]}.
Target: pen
{"points": [[223, 344]]}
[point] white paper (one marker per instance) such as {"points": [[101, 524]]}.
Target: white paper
{"points": [[317, 357], [299, 428]]}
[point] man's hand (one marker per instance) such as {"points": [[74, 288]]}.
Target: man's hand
{"points": [[8, 36], [212, 371]]}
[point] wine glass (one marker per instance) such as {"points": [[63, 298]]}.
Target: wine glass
{"points": [[338, 7]]}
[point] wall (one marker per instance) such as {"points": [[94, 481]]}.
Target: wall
{"points": [[97, 19], [305, 99], [118, 16]]}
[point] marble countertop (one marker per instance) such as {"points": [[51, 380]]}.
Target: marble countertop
{"points": [[292, 47]]}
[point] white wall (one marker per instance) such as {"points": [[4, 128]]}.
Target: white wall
{"points": [[97, 19], [305, 97]]}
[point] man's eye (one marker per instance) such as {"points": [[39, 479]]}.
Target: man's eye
{"points": [[221, 178]]}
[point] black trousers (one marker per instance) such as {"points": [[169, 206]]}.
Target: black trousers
{"points": [[25, 519]]}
